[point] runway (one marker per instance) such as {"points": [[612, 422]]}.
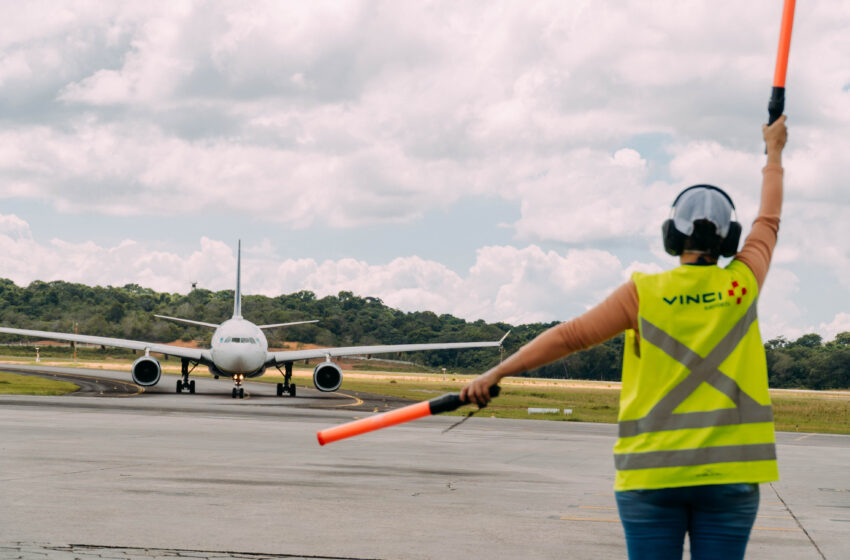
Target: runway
{"points": [[160, 475]]}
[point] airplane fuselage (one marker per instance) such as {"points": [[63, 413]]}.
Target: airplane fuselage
{"points": [[239, 347]]}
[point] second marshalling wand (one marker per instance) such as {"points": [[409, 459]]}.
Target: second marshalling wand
{"points": [[438, 405]]}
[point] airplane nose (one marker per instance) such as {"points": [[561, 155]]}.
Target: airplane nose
{"points": [[238, 363]]}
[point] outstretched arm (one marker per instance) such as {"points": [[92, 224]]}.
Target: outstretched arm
{"points": [[615, 314]]}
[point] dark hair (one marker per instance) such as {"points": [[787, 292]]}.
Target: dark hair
{"points": [[704, 238]]}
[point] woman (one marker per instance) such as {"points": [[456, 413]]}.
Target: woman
{"points": [[695, 423]]}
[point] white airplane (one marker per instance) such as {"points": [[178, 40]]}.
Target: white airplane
{"points": [[239, 349]]}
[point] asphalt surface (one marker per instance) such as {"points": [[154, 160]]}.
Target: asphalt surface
{"points": [[162, 475], [108, 383]]}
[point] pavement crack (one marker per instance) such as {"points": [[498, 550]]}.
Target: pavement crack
{"points": [[112, 551], [797, 521]]}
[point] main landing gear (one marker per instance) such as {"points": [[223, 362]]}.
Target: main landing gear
{"points": [[185, 383], [287, 386], [239, 390]]}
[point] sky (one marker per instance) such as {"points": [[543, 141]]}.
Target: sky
{"points": [[498, 160]]}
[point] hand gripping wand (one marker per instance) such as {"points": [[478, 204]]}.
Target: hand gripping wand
{"points": [[437, 405], [776, 106]]}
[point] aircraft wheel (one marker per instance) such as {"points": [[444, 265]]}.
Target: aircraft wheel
{"points": [[233, 394], [292, 389], [192, 386], [279, 389], [241, 393], [179, 386]]}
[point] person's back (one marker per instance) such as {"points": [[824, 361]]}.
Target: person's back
{"points": [[695, 424], [698, 370]]}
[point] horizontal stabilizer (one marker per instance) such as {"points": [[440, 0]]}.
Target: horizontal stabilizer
{"points": [[189, 321], [288, 324]]}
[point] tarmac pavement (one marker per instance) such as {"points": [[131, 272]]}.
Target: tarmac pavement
{"points": [[162, 475]]}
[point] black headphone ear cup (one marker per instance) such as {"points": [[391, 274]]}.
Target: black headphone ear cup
{"points": [[729, 246], [674, 240]]}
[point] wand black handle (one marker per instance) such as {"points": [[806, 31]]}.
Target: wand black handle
{"points": [[776, 105], [451, 401]]}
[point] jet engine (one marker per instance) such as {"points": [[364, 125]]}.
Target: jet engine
{"points": [[146, 371], [327, 377]]}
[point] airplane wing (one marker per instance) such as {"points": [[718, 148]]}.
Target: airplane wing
{"points": [[294, 355], [177, 351]]}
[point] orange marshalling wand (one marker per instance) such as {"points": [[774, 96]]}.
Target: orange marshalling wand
{"points": [[777, 97], [445, 403]]}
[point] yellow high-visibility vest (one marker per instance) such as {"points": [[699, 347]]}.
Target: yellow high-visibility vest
{"points": [[694, 407]]}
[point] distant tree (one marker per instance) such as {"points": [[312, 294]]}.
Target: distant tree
{"points": [[347, 318], [843, 339], [809, 341]]}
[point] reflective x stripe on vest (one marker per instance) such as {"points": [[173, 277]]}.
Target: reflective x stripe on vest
{"points": [[661, 416]]}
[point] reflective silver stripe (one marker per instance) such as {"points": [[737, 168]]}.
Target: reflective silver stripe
{"points": [[691, 457], [703, 370], [689, 420]]}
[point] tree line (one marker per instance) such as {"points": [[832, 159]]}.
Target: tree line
{"points": [[347, 320]]}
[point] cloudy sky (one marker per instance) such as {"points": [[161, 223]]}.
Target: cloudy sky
{"points": [[501, 160]]}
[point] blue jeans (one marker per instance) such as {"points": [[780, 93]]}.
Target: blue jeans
{"points": [[718, 518]]}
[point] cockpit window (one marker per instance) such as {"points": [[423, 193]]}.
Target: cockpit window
{"points": [[241, 340]]}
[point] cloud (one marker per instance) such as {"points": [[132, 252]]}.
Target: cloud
{"points": [[365, 112], [840, 324], [780, 314], [14, 228], [506, 283], [340, 115]]}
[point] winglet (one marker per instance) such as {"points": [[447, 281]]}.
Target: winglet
{"points": [[504, 337]]}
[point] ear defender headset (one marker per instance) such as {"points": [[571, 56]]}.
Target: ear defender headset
{"points": [[674, 240]]}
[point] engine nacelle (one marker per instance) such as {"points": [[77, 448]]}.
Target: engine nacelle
{"points": [[327, 377], [146, 371]]}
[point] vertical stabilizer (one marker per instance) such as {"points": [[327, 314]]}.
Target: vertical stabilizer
{"points": [[237, 297]]}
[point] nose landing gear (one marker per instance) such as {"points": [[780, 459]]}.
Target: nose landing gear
{"points": [[185, 383], [238, 391], [287, 386]]}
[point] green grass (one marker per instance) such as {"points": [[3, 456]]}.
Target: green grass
{"points": [[11, 384], [601, 405], [588, 405], [830, 416]]}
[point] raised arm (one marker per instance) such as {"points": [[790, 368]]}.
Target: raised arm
{"points": [[758, 248]]}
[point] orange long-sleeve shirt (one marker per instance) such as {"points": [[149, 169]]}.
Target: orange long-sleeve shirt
{"points": [[619, 311]]}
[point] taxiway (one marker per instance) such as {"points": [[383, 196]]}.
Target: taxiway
{"points": [[159, 474]]}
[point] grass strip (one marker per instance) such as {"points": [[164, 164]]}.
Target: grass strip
{"points": [[806, 414], [12, 384]]}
